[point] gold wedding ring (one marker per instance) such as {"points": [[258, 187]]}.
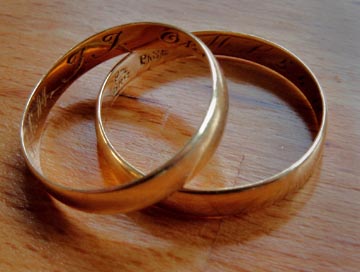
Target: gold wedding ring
{"points": [[243, 198], [159, 41]]}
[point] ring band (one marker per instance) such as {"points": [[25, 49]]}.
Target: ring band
{"points": [[244, 198], [160, 40]]}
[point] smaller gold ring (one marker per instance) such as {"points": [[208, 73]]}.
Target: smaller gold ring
{"points": [[244, 198], [161, 40]]}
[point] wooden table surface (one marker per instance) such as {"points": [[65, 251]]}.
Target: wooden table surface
{"points": [[315, 229]]}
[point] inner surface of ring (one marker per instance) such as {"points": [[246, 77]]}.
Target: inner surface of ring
{"points": [[266, 132], [90, 53]]}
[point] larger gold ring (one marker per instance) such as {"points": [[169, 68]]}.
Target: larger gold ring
{"points": [[263, 192], [160, 41]]}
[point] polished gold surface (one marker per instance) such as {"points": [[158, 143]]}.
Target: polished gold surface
{"points": [[160, 42], [231, 200]]}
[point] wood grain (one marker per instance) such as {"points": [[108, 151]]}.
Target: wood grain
{"points": [[315, 229]]}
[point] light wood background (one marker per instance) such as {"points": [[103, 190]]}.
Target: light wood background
{"points": [[270, 126]]}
